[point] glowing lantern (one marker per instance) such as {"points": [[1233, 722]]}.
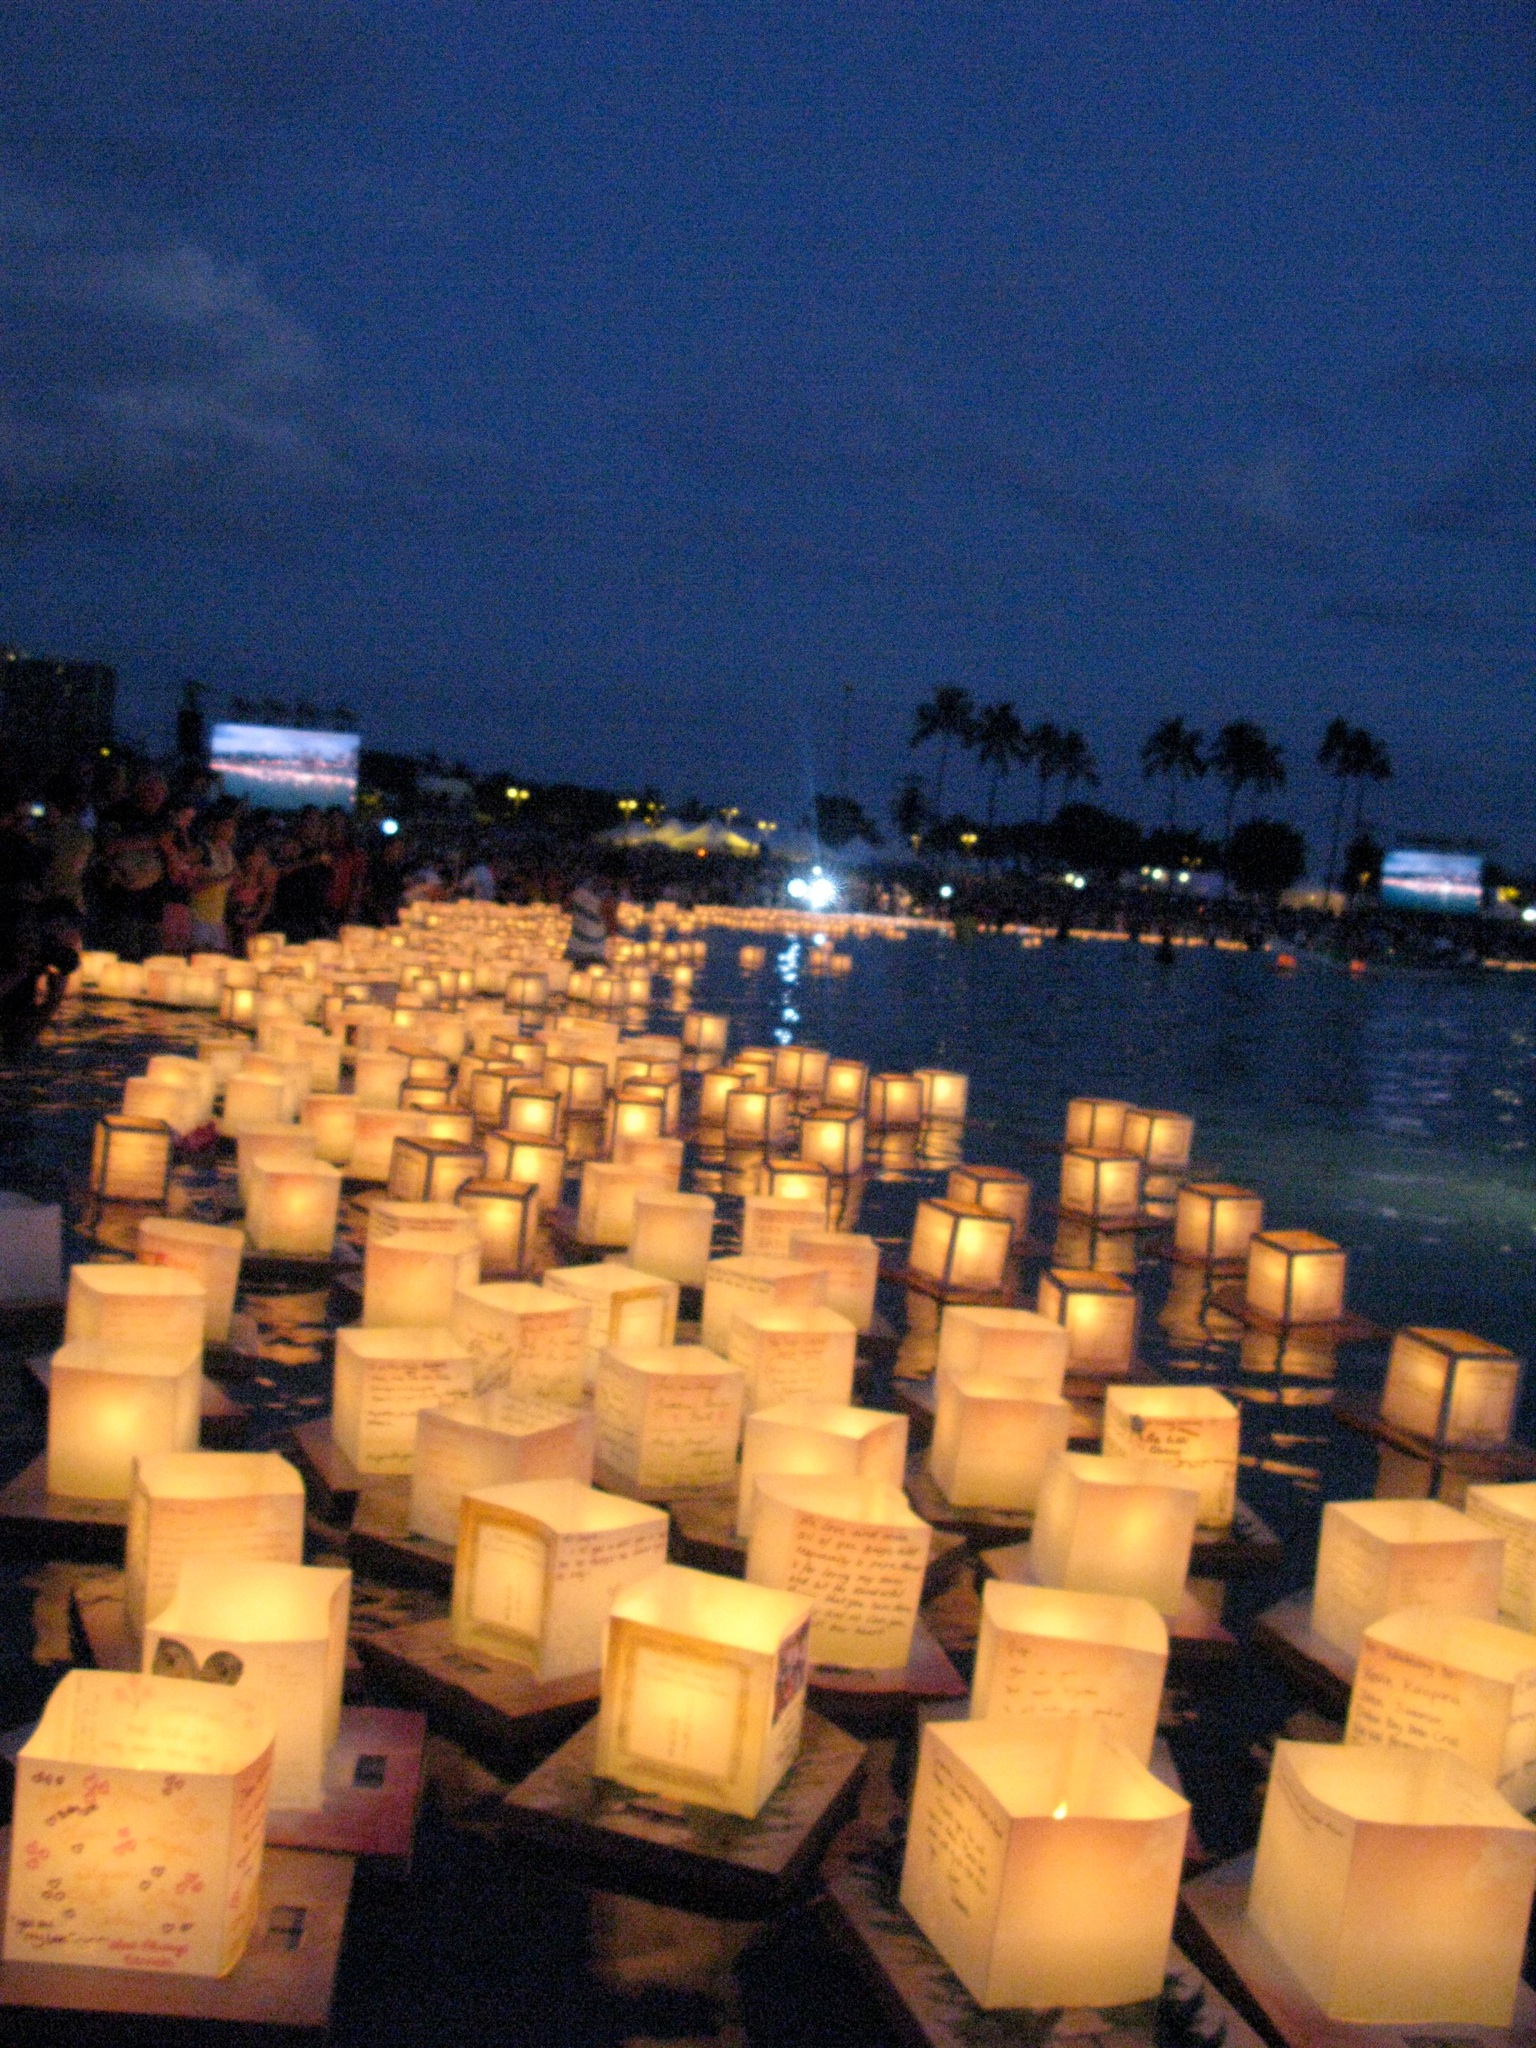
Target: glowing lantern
{"points": [[409, 1280], [1098, 1313], [895, 1102], [1431, 1680], [769, 1221], [799, 1181], [1193, 1431], [431, 1169], [1161, 1138], [802, 1069], [494, 1439], [1070, 1821], [373, 1139], [451, 1126], [1213, 1222], [846, 1085], [997, 1188], [672, 1235], [270, 1145], [1453, 1387], [1114, 1525], [1375, 1556], [662, 1158], [245, 1506], [292, 1209], [703, 1689], [331, 1120], [505, 1214], [1003, 1342], [993, 1439], [384, 1378], [531, 1339], [509, 1158], [277, 1635], [833, 1139], [256, 1099], [1101, 1184], [705, 1037], [717, 1088], [109, 1404], [141, 1805], [209, 1252], [634, 1114], [394, 1219], [1510, 1512], [1096, 1121], [668, 1417], [1294, 1276], [788, 1354], [169, 1101], [606, 1212], [1394, 1884], [733, 1285], [131, 1159], [531, 1112], [944, 1095], [136, 1305], [539, 1565], [822, 1440], [751, 959], [1097, 1657], [960, 1248], [378, 1077], [856, 1551], [583, 1084], [757, 1116]]}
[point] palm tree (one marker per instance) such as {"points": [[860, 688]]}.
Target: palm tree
{"points": [[1075, 762], [1372, 764], [1041, 750], [948, 716], [999, 740], [1243, 756], [1350, 754], [909, 812], [1173, 750]]}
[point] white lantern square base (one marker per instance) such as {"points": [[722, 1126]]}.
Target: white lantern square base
{"points": [[1098, 1313]]}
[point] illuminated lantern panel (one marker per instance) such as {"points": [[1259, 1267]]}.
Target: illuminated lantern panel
{"points": [[799, 1181], [1098, 1313], [109, 1404], [505, 1216], [131, 1159], [378, 1077], [997, 1188], [432, 1169], [944, 1095], [993, 1438], [732, 1286], [255, 1098], [705, 1033], [210, 1252], [166, 1100], [606, 1214], [852, 1267], [856, 1551], [1214, 1221], [495, 1439], [1095, 1120], [154, 1306], [331, 1120], [384, 1378], [1431, 1680], [757, 1116], [1295, 1276], [387, 1218], [1510, 1512], [531, 1112], [527, 1159], [833, 1138], [453, 1126], [1395, 1884], [540, 1563], [703, 1689], [292, 1209], [1375, 1556], [373, 1139], [238, 1506], [715, 1092], [822, 1440], [787, 1354], [668, 1417], [410, 1279], [895, 1102], [673, 1235], [1114, 1525], [802, 1069], [846, 1085], [1451, 1386], [627, 1308], [1013, 1342], [769, 1221], [1161, 1139], [1043, 1863], [277, 1635], [1101, 1184], [963, 1248], [1192, 1431], [270, 1145], [1096, 1657], [138, 1785], [751, 959]]}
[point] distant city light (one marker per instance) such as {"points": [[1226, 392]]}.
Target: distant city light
{"points": [[1528, 915], [817, 893], [37, 810], [947, 891], [1183, 874], [389, 827]]}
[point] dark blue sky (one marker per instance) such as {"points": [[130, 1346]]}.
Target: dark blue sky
{"points": [[596, 391]]}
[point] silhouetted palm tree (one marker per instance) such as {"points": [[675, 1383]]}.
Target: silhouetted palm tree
{"points": [[1372, 764], [1173, 750], [1075, 762], [1243, 756], [948, 716], [909, 811], [1042, 752], [1350, 754], [999, 739]]}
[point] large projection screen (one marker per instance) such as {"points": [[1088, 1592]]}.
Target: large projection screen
{"points": [[1416, 880], [281, 768]]}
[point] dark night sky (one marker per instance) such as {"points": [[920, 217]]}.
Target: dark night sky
{"points": [[596, 390]]}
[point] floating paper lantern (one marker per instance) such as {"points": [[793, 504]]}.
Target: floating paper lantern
{"points": [[168, 1101], [532, 1112], [373, 1139], [895, 1102], [582, 1084], [410, 1280], [846, 1085], [672, 1235], [856, 1551], [1102, 1184], [818, 1439], [387, 1218], [1193, 1431], [210, 1252], [627, 1308], [1003, 1342], [493, 1439], [530, 1339], [1375, 1556], [993, 1438], [833, 1139], [1161, 1138], [110, 1403], [431, 1169], [331, 1120], [223, 1056], [944, 1095], [505, 1214], [661, 1158], [1431, 1680], [1096, 1657], [606, 1211], [1214, 1222], [1096, 1120], [788, 1354], [131, 1159], [769, 1221], [136, 1842], [449, 1126], [1453, 1387], [384, 1378], [1510, 1512], [281, 1144], [757, 1116], [1394, 1884], [292, 1210], [1070, 1903], [668, 1417], [1098, 1313], [524, 1159], [636, 1114], [378, 1077], [277, 1635], [965, 1249], [703, 1689], [802, 1069], [997, 1188], [752, 959], [714, 1093], [705, 1037], [539, 1565], [137, 1305], [234, 1505], [799, 1180], [1114, 1525], [1295, 1276], [732, 1285], [851, 1265]]}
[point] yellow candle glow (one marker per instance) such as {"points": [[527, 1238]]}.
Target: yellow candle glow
{"points": [[757, 1115], [960, 1248], [856, 1551], [1451, 1386], [1114, 1525], [668, 1417], [846, 1085], [432, 1169], [383, 1379], [1214, 1221], [1102, 1184], [1096, 1120], [1375, 1556], [1098, 1313], [895, 1102], [210, 1252], [292, 1209], [131, 1159], [532, 1112], [997, 1188], [1160, 1138], [109, 1404], [944, 1095], [1097, 1657], [820, 1440], [232, 1505], [492, 1439], [331, 1120], [505, 1214], [1191, 1430], [1295, 1276], [833, 1139]]}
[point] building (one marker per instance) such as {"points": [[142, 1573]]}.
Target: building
{"points": [[52, 712]]}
